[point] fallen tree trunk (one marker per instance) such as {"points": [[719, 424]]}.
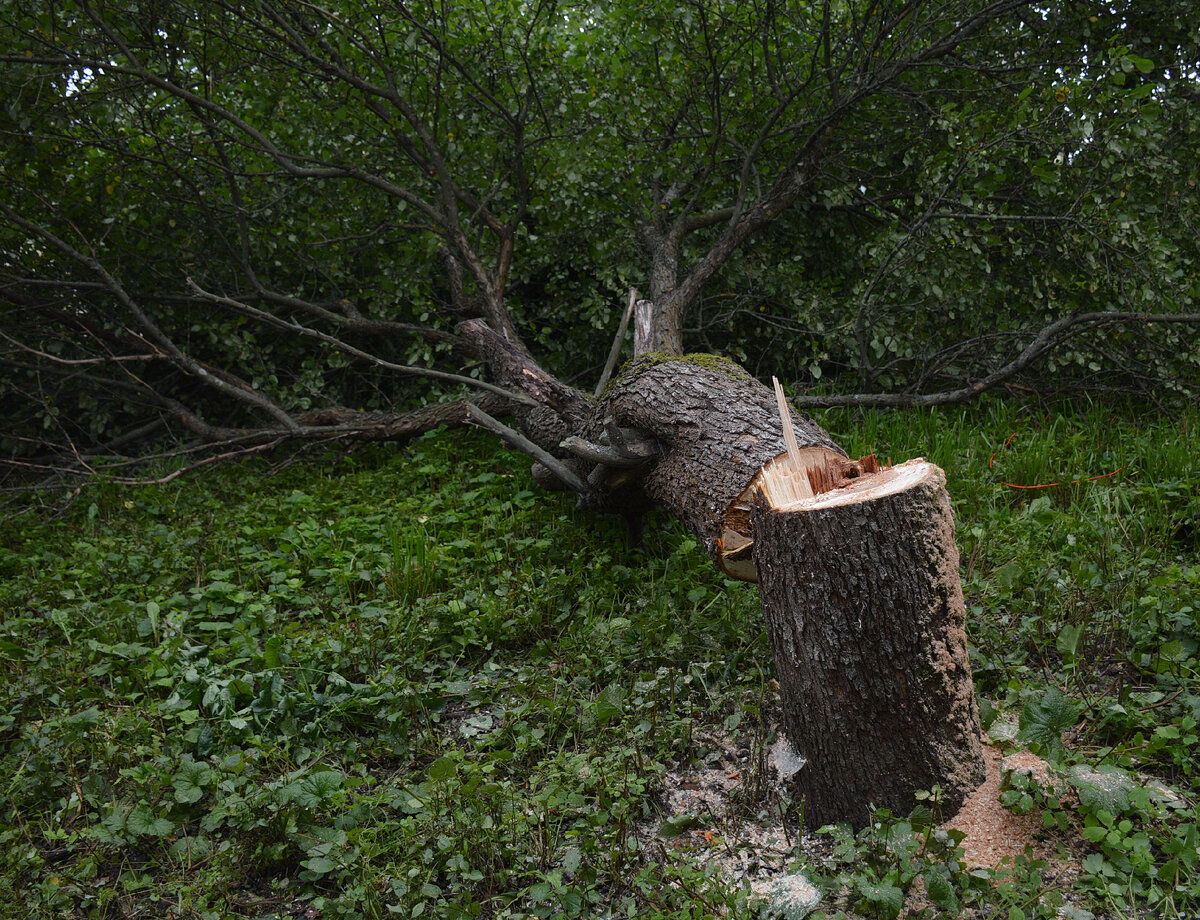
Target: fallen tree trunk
{"points": [[860, 591], [717, 427], [863, 602]]}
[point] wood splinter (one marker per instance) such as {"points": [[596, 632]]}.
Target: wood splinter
{"points": [[797, 474]]}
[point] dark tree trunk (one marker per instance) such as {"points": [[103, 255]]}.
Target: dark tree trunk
{"points": [[864, 608], [717, 427]]}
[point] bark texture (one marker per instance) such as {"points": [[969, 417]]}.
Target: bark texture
{"points": [[864, 607], [717, 427]]}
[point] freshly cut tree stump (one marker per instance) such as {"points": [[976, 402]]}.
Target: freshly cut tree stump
{"points": [[864, 608]]}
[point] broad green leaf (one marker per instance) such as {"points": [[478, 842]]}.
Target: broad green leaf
{"points": [[886, 899], [941, 892], [1067, 642], [189, 781], [441, 769], [609, 704], [12, 651], [572, 859], [271, 656], [142, 821], [678, 824], [318, 788], [1044, 720], [1103, 787], [87, 718], [190, 849], [319, 865]]}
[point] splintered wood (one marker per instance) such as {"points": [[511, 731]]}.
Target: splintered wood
{"points": [[797, 474], [789, 481]]}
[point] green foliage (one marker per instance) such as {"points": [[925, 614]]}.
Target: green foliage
{"points": [[404, 682], [1142, 836], [1044, 720], [278, 693], [1046, 168], [875, 872]]}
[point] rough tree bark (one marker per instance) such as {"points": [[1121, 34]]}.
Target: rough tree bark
{"points": [[861, 592], [717, 427]]}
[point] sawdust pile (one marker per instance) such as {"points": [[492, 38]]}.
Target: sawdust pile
{"points": [[710, 821]]}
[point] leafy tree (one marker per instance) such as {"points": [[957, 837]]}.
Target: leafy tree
{"points": [[249, 223], [243, 223]]}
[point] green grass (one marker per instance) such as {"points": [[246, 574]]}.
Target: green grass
{"points": [[407, 683]]}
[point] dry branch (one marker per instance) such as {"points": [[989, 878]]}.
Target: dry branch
{"points": [[518, 441]]}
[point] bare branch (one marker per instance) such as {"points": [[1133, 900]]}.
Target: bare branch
{"points": [[1049, 338], [224, 382], [518, 441], [615, 351], [354, 321], [75, 362], [293, 326]]}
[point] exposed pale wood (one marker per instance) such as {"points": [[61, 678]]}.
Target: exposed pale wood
{"points": [[826, 470], [643, 328], [790, 478]]}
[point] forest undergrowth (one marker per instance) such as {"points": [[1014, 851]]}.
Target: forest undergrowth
{"points": [[404, 682]]}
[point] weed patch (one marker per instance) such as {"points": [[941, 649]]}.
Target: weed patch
{"points": [[407, 684]]}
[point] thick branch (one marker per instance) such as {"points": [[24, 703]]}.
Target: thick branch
{"points": [[512, 366]]}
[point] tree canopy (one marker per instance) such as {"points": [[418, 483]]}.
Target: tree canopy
{"points": [[246, 222]]}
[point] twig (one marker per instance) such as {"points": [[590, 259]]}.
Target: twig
{"points": [[1169, 699], [112, 359], [615, 351], [1049, 338], [233, 387], [183, 471], [518, 441]]}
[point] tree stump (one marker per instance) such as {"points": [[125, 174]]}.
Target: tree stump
{"points": [[864, 608], [859, 580]]}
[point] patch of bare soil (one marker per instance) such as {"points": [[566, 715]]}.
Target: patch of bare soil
{"points": [[707, 816]]}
